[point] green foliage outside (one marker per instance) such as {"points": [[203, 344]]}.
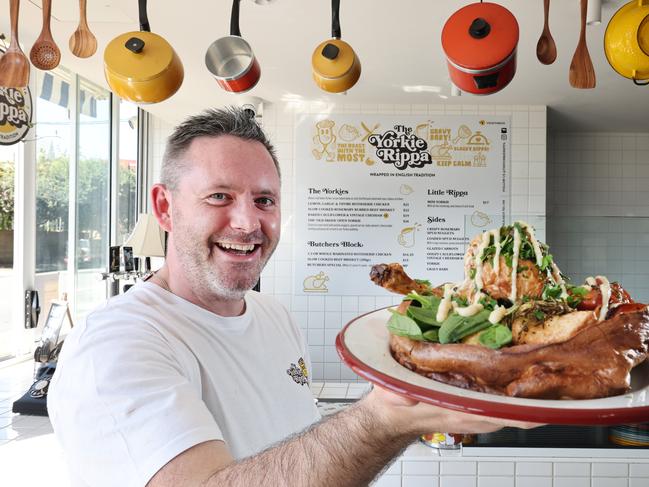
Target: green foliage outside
{"points": [[6, 195], [52, 195]]}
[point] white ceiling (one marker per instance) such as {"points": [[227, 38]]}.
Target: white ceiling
{"points": [[398, 43]]}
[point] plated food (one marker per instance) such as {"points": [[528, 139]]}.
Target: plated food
{"points": [[513, 326]]}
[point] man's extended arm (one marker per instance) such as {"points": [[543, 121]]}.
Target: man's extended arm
{"points": [[347, 449]]}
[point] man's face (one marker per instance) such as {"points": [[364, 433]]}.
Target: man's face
{"points": [[225, 214]]}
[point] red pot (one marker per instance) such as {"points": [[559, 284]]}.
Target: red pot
{"points": [[480, 43], [231, 61]]}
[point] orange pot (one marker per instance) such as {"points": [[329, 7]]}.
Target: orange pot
{"points": [[480, 42]]}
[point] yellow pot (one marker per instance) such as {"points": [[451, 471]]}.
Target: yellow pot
{"points": [[626, 41], [142, 67], [336, 68]]}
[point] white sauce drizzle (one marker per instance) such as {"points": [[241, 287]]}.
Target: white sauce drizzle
{"points": [[556, 275], [478, 260], [517, 248], [591, 281], [469, 310], [497, 314], [534, 242], [605, 289], [496, 234], [445, 304]]}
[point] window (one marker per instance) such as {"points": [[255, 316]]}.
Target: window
{"points": [[127, 170], [92, 196], [73, 159], [8, 159], [54, 151]]}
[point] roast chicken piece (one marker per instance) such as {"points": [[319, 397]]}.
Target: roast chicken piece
{"points": [[553, 330], [593, 363], [529, 281], [393, 277]]}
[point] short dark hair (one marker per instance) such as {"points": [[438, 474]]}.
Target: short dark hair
{"points": [[213, 122]]}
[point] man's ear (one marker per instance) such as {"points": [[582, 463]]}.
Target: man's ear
{"points": [[161, 204]]}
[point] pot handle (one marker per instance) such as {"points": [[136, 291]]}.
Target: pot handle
{"points": [[234, 19], [144, 19], [335, 19]]}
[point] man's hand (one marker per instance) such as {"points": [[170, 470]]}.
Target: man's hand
{"points": [[406, 414], [346, 450]]}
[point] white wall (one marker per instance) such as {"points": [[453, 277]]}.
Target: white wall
{"points": [[321, 318], [598, 207]]}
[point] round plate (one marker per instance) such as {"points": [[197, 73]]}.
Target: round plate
{"points": [[363, 344]]}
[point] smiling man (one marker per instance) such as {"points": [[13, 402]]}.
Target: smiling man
{"points": [[192, 379]]}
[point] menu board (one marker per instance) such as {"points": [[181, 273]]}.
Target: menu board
{"points": [[388, 188]]}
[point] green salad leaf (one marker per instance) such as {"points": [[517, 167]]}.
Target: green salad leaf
{"points": [[495, 336], [404, 326], [456, 327]]}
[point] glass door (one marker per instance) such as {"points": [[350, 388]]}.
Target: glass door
{"points": [[92, 196], [8, 159], [127, 170], [54, 153]]}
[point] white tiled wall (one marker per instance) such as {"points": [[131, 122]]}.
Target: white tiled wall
{"points": [[507, 472], [320, 317], [598, 206]]}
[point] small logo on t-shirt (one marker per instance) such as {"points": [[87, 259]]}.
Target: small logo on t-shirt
{"points": [[298, 372]]}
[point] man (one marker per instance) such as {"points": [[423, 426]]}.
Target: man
{"points": [[186, 379]]}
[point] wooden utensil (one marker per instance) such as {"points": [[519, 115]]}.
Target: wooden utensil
{"points": [[83, 43], [14, 65], [45, 54], [546, 49], [582, 73]]}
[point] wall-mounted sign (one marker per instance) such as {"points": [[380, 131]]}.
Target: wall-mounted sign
{"points": [[15, 114], [381, 189]]}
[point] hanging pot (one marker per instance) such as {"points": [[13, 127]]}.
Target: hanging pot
{"points": [[141, 66], [335, 66], [626, 41], [480, 42], [231, 61]]}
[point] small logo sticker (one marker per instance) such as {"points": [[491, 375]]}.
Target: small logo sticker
{"points": [[298, 372]]}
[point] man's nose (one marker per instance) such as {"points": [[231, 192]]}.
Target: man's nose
{"points": [[244, 217]]}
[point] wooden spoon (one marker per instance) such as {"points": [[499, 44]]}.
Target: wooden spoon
{"points": [[582, 73], [546, 49], [45, 54], [83, 43], [14, 65]]}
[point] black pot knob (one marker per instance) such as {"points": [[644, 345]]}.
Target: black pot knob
{"points": [[479, 28], [330, 51], [135, 45]]}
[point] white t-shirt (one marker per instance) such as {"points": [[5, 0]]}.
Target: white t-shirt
{"points": [[150, 375]]}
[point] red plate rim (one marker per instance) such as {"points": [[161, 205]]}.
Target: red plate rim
{"points": [[482, 407]]}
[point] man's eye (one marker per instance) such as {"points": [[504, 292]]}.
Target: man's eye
{"points": [[219, 197], [264, 201]]}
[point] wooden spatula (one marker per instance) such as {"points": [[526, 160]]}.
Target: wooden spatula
{"points": [[14, 65], [83, 43], [582, 73]]}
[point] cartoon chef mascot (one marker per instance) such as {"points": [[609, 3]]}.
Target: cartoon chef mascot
{"points": [[324, 140]]}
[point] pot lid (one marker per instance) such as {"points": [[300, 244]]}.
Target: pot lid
{"points": [[480, 35], [333, 58], [146, 57]]}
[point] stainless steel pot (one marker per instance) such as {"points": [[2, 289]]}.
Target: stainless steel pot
{"points": [[231, 61]]}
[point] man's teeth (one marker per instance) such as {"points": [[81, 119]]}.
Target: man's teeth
{"points": [[239, 247]]}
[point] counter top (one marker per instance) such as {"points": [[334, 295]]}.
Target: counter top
{"points": [[588, 442]]}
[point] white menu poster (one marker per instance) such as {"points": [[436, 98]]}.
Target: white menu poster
{"points": [[374, 189]]}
